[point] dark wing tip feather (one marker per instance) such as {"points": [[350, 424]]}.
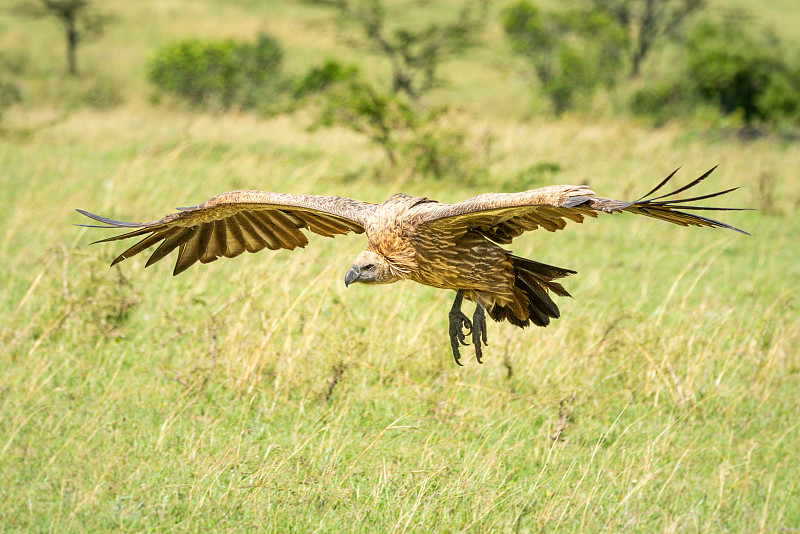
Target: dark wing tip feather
{"points": [[693, 199], [111, 222], [666, 210], [659, 186], [712, 222], [680, 189]]}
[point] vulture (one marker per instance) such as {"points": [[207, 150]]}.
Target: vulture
{"points": [[448, 246]]}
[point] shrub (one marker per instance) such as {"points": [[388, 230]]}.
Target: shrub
{"points": [[415, 52], [318, 79], [665, 99], [571, 52], [437, 147], [425, 143], [743, 73], [218, 73], [357, 105], [531, 177], [9, 94]]}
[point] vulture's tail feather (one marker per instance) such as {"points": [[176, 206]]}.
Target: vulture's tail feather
{"points": [[534, 280]]}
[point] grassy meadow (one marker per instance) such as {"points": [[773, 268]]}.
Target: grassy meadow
{"points": [[258, 394]]}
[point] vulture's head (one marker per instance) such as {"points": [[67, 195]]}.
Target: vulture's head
{"points": [[370, 268]]}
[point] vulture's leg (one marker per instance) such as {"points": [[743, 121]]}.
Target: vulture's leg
{"points": [[457, 321], [479, 331]]}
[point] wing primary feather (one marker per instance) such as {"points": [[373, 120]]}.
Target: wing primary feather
{"points": [[680, 217], [170, 243], [702, 197], [259, 230], [94, 226], [217, 243], [112, 222], [296, 237], [687, 186], [205, 236], [145, 243], [189, 249], [257, 237], [126, 235], [660, 185], [705, 208], [235, 241]]}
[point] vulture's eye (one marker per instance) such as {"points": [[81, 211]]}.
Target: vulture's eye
{"points": [[369, 267]]}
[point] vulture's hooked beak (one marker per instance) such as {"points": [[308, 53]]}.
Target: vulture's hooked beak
{"points": [[352, 275]]}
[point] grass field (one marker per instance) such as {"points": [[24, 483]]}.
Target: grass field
{"points": [[259, 394]]}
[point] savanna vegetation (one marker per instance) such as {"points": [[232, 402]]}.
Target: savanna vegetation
{"points": [[258, 394]]}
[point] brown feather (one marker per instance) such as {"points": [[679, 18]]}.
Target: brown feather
{"points": [[450, 246]]}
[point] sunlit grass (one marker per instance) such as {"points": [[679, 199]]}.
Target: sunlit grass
{"points": [[258, 393]]}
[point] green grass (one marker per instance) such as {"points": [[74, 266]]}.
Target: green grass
{"points": [[258, 393]]}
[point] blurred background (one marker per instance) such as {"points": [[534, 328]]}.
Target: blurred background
{"points": [[257, 393]]}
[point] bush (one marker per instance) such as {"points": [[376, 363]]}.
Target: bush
{"points": [[415, 52], [743, 73], [436, 147], [427, 143], [358, 106], [319, 79], [219, 74], [571, 52], [665, 99], [9, 94]]}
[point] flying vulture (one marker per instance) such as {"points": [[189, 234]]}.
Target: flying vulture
{"points": [[449, 246]]}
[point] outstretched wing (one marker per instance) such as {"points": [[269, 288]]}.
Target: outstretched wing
{"points": [[503, 216], [231, 223]]}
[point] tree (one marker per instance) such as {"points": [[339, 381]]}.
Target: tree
{"points": [[742, 71], [79, 18], [379, 117], [414, 53], [571, 52], [647, 22], [219, 73]]}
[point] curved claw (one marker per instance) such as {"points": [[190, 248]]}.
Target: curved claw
{"points": [[458, 321], [461, 327], [467, 330], [479, 332]]}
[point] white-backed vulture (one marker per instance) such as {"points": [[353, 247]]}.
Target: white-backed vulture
{"points": [[449, 246]]}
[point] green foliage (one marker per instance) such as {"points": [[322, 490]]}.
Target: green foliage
{"points": [[9, 95], [258, 394], [358, 106], [741, 72], [647, 23], [536, 175], [318, 79], [257, 391], [426, 143], [220, 74], [571, 52], [665, 99], [439, 148], [415, 52], [80, 19]]}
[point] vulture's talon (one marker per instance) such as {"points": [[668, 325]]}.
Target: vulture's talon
{"points": [[464, 329], [479, 332], [458, 322]]}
